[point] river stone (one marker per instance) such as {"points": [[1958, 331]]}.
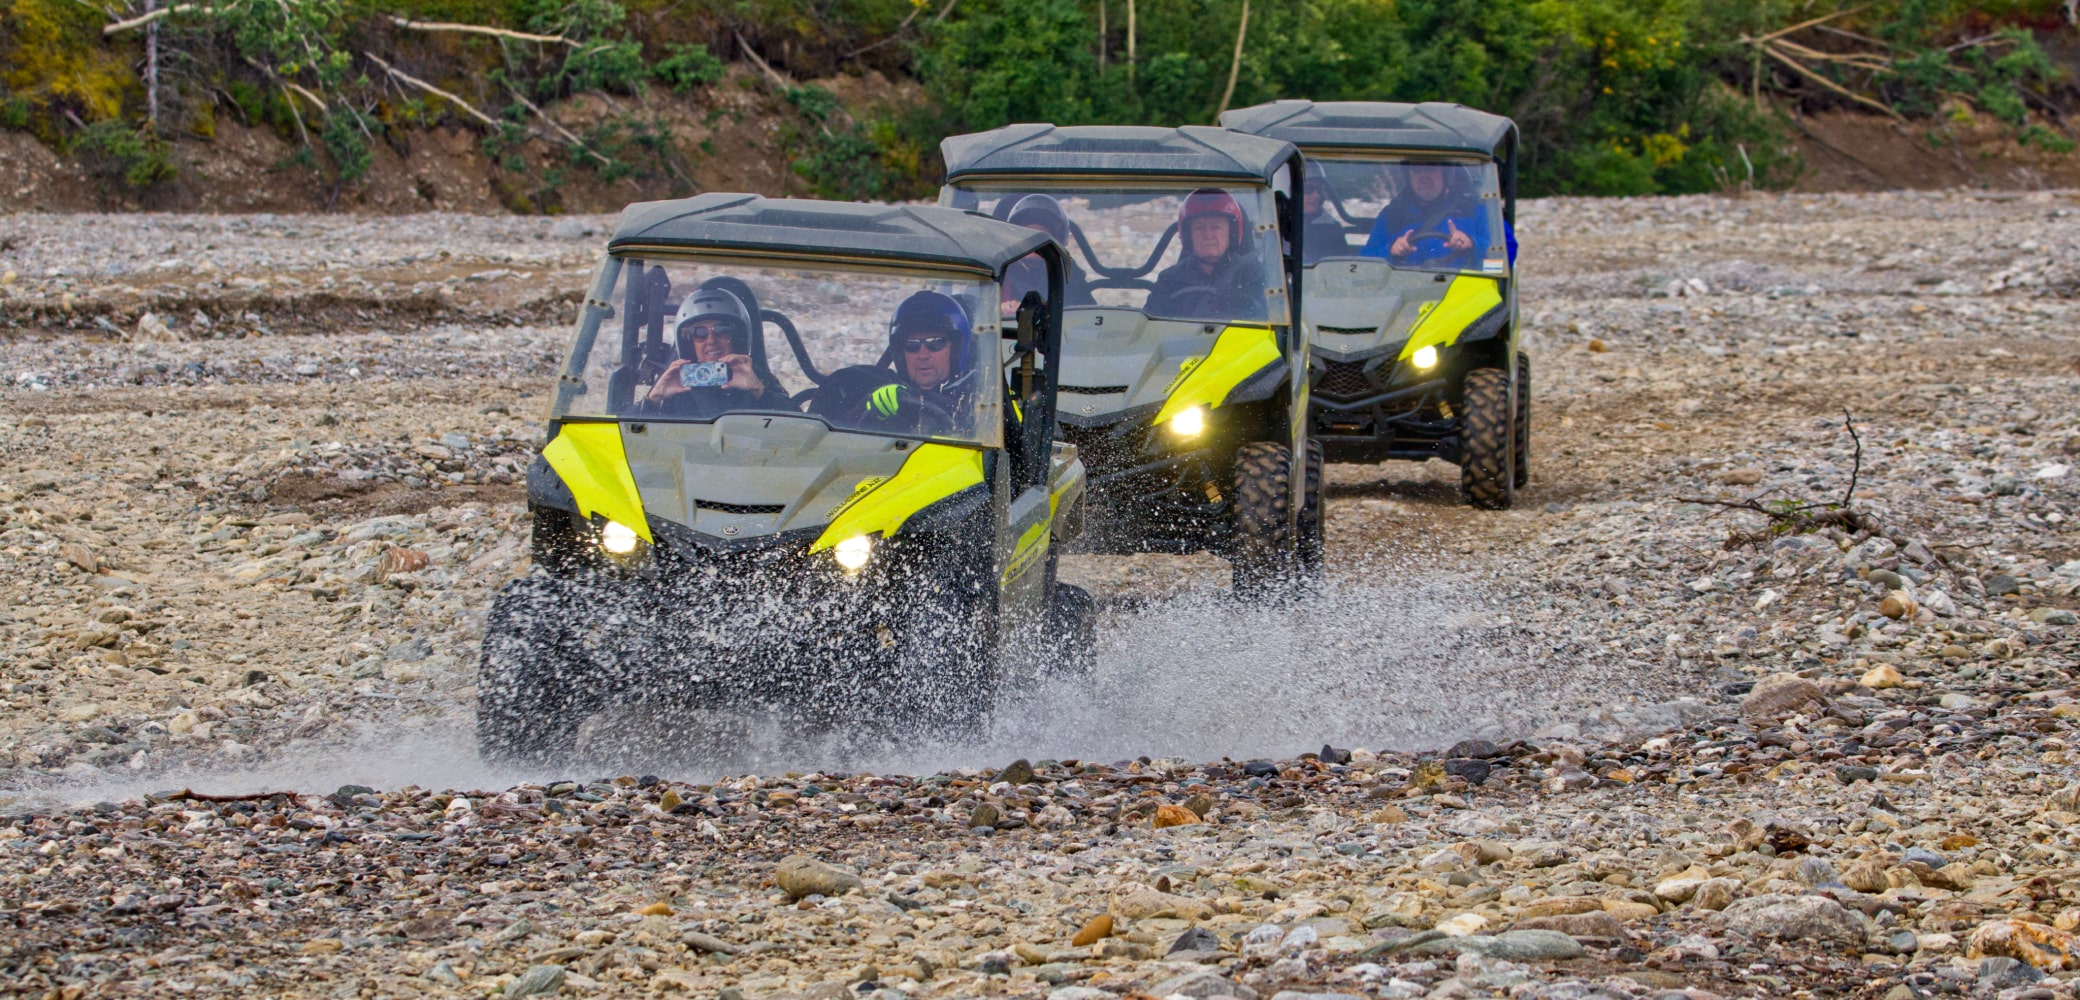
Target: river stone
{"points": [[1780, 696], [1200, 983], [1534, 945], [1792, 918], [539, 980], [802, 876]]}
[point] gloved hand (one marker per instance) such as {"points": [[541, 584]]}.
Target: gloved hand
{"points": [[887, 401]]}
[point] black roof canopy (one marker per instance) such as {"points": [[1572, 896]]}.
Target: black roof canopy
{"points": [[1195, 152], [824, 230], [1433, 126]]}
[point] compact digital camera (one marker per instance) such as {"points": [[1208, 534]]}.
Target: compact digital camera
{"points": [[704, 374]]}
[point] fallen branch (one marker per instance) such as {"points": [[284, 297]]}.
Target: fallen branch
{"points": [[149, 17], [478, 29], [1786, 518], [1781, 32], [772, 74], [576, 143], [488, 121], [1801, 70]]}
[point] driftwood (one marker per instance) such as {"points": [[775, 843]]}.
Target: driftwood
{"points": [[1235, 65], [148, 17], [1799, 519], [576, 143]]}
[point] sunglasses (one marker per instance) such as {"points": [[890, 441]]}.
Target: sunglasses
{"points": [[705, 331], [916, 345]]}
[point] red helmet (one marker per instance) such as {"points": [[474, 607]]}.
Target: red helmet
{"points": [[1212, 201]]}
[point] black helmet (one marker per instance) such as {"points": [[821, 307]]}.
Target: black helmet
{"points": [[1043, 211]]}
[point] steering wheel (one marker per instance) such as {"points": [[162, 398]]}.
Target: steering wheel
{"points": [[1431, 245], [1191, 293]]}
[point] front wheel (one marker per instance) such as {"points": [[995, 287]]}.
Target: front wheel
{"points": [[1073, 630], [1486, 476], [532, 694], [1262, 550], [1313, 536], [1521, 461]]}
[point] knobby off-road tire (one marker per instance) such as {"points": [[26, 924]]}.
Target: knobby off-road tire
{"points": [[1261, 552], [1313, 541], [531, 692], [1522, 431], [1486, 477], [1073, 630]]}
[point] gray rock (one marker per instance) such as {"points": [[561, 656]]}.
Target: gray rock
{"points": [[1792, 918], [2054, 616], [536, 981], [1779, 696], [1515, 946], [1814, 871], [1902, 942], [1202, 983], [1849, 774], [707, 943], [2001, 585], [570, 229], [409, 652], [1079, 993], [2001, 972], [1924, 856], [444, 974], [1196, 939], [801, 876], [1296, 995], [1020, 772]]}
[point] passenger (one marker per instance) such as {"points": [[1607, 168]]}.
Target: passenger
{"points": [[712, 326], [1042, 213], [1429, 222], [1323, 232], [1216, 277], [931, 342]]}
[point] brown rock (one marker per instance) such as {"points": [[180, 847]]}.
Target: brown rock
{"points": [[1780, 696], [1597, 926], [657, 909], [1200, 804], [1627, 910], [397, 561], [1020, 772], [1093, 930], [2047, 948], [1141, 902], [1866, 876], [1560, 906], [1898, 604], [800, 876], [1173, 815], [985, 815], [1715, 894], [80, 556]]}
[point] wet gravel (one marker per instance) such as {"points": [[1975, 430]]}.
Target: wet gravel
{"points": [[1583, 748]]}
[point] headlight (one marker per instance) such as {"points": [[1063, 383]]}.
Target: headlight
{"points": [[1425, 358], [1189, 422], [852, 553], [617, 538]]}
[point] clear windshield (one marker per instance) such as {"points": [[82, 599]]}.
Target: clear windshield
{"points": [[873, 351], [1414, 215], [1184, 253]]}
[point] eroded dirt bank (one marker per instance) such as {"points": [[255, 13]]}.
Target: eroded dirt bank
{"points": [[249, 555]]}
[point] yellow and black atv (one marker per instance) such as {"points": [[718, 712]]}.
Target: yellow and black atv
{"points": [[1411, 285], [859, 530], [1184, 383]]}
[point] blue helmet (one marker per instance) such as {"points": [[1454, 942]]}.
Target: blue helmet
{"points": [[933, 312]]}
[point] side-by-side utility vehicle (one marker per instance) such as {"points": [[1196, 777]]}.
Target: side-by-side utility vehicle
{"points": [[856, 527], [1411, 285], [1183, 379]]}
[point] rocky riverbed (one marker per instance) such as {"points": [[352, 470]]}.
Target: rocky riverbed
{"points": [[1622, 741]]}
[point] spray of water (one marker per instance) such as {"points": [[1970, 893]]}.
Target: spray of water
{"points": [[1394, 658]]}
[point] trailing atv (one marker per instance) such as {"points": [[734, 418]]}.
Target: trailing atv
{"points": [[860, 530], [1184, 384], [1411, 285]]}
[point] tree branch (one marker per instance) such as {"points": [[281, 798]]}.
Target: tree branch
{"points": [[764, 67], [478, 29], [1235, 65], [1830, 84], [488, 121], [576, 143], [148, 17]]}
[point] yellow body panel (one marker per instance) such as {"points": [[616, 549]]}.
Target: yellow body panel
{"points": [[1467, 299], [1241, 351], [880, 506], [1033, 543], [590, 460]]}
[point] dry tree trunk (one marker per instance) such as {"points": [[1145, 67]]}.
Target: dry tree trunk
{"points": [[151, 67], [1235, 66], [1130, 41]]}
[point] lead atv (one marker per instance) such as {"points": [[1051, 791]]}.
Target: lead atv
{"points": [[1184, 382], [1411, 285], [860, 531]]}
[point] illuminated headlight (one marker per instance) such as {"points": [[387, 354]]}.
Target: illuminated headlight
{"points": [[852, 553], [1425, 358], [1189, 422], [618, 539]]}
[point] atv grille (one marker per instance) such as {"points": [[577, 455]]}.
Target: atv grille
{"points": [[1094, 390], [1349, 330], [740, 508], [1343, 380]]}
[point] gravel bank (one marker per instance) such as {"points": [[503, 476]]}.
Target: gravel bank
{"points": [[1583, 748]]}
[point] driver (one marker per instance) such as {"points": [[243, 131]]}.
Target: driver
{"points": [[712, 326], [1217, 276], [930, 340], [1429, 221]]}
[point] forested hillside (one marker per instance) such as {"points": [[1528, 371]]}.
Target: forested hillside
{"points": [[550, 105]]}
